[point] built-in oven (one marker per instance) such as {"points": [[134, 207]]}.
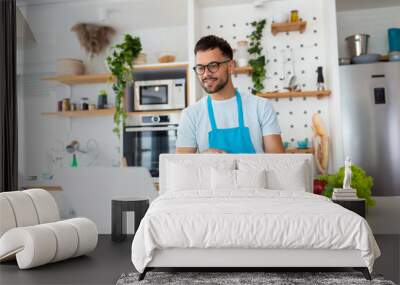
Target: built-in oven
{"points": [[146, 137], [167, 94]]}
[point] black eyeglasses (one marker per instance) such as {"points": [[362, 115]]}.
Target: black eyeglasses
{"points": [[212, 67]]}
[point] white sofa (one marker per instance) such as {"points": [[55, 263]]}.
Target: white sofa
{"points": [[31, 230]]}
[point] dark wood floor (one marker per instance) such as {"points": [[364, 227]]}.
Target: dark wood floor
{"points": [[103, 266], [111, 259]]}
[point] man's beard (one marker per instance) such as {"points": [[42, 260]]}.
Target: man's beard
{"points": [[221, 85]]}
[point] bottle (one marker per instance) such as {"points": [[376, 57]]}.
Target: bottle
{"points": [[320, 79], [84, 104], [74, 163]]}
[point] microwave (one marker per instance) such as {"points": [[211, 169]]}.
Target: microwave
{"points": [[166, 94]]}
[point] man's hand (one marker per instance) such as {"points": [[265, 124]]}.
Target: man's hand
{"points": [[214, 150]]}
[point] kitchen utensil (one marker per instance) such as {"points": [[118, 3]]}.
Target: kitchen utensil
{"points": [[394, 39], [242, 54], [320, 79], [302, 143], [344, 61], [284, 61], [285, 145], [366, 58], [69, 66], [292, 84], [357, 44], [394, 56]]}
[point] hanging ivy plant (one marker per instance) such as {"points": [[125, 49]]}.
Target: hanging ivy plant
{"points": [[120, 65], [258, 60]]}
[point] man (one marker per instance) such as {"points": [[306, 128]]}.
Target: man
{"points": [[225, 121]]}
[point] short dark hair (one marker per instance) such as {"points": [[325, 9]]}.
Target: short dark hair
{"points": [[212, 42]]}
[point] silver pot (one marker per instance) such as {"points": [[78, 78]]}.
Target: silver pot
{"points": [[357, 44]]}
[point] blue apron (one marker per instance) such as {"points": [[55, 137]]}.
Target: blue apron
{"points": [[231, 140]]}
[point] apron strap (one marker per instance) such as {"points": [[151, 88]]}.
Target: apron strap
{"points": [[211, 113], [240, 109]]}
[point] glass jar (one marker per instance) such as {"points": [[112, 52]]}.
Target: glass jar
{"points": [[84, 104], [242, 54], [294, 16]]}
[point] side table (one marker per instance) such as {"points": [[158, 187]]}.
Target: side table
{"points": [[358, 206], [119, 207]]}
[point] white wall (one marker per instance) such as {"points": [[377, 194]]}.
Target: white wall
{"points": [[374, 22], [164, 30]]}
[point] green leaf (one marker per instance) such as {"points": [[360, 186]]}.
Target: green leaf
{"points": [[119, 62], [258, 64]]}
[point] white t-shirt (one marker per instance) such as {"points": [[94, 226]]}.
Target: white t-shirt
{"points": [[258, 113]]}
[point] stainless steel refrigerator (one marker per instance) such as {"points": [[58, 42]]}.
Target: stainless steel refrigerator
{"points": [[370, 108]]}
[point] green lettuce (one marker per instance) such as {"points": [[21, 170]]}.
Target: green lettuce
{"points": [[359, 181]]}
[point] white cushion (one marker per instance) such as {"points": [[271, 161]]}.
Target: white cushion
{"points": [[46, 206], [67, 240], [282, 174], [23, 208], [251, 178], [227, 179], [40, 244], [33, 245], [7, 218], [189, 175], [87, 232], [223, 179]]}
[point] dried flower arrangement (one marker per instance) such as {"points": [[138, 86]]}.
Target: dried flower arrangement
{"points": [[92, 37]]}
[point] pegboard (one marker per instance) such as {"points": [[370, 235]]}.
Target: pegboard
{"points": [[286, 54]]}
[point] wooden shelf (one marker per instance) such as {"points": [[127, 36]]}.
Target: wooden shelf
{"points": [[299, 150], [106, 112], [299, 26], [47, 188], [82, 79], [243, 70], [317, 94], [107, 77], [151, 113], [161, 66], [81, 114]]}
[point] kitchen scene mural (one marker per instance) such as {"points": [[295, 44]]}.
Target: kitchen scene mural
{"points": [[78, 95]]}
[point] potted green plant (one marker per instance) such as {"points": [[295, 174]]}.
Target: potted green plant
{"points": [[120, 64], [258, 61], [359, 181], [102, 99]]}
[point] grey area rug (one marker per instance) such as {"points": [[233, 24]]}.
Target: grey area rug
{"points": [[243, 278]]}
